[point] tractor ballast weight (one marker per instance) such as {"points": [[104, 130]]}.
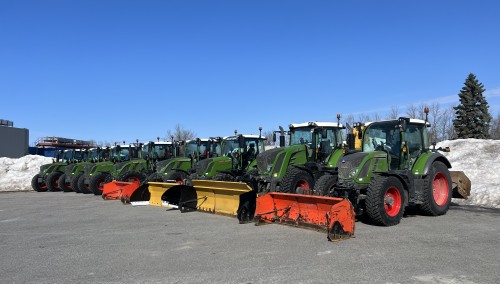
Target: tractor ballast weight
{"points": [[334, 215], [220, 197]]}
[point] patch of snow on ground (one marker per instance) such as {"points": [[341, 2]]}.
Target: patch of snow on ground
{"points": [[16, 174], [479, 160]]}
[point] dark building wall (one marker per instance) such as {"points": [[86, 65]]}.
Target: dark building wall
{"points": [[13, 142]]}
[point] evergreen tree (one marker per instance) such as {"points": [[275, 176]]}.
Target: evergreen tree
{"points": [[472, 115]]}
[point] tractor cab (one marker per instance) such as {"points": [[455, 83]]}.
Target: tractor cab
{"points": [[120, 153], [202, 148], [320, 138], [159, 151], [242, 149]]}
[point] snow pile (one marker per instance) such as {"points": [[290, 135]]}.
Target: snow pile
{"points": [[16, 174], [479, 160]]}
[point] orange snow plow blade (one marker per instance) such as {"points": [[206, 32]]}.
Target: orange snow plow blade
{"points": [[114, 190], [139, 192], [461, 184], [219, 197], [334, 215]]}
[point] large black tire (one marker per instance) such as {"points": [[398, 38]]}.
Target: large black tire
{"points": [[385, 201], [297, 181], [62, 184], [176, 176], [97, 182], [81, 185], [437, 190], [325, 184], [37, 186], [154, 177], [132, 176], [74, 183], [52, 181]]}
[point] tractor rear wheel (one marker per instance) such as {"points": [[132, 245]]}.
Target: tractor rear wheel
{"points": [[297, 181], [62, 184], [51, 181], [40, 187], [74, 183], [81, 185], [97, 182], [324, 185], [132, 176], [176, 176], [437, 190], [385, 201]]}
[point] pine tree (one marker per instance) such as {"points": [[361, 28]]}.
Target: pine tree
{"points": [[472, 115]]}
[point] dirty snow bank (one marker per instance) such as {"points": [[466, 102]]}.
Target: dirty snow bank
{"points": [[16, 174], [479, 160]]}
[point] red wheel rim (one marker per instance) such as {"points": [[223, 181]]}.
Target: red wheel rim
{"points": [[392, 201], [440, 189], [179, 180], [304, 187], [55, 183]]}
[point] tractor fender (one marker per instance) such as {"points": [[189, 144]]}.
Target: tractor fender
{"points": [[311, 168], [424, 162]]}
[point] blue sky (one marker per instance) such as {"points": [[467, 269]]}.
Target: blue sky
{"points": [[126, 70]]}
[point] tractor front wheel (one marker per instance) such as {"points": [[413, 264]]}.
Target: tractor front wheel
{"points": [[97, 183], [385, 201], [437, 190], [62, 184], [297, 181], [82, 187], [39, 187], [51, 181], [324, 185], [74, 183], [132, 176]]}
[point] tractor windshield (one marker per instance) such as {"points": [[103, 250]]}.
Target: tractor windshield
{"points": [[122, 154], [163, 151], [191, 150], [382, 136], [229, 145], [67, 156], [300, 136]]}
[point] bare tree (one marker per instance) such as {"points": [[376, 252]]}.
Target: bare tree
{"points": [[362, 117], [180, 134], [394, 112], [411, 111], [376, 117], [495, 128], [269, 135]]}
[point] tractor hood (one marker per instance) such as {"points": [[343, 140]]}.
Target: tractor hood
{"points": [[210, 166], [69, 169], [359, 166], [266, 159]]}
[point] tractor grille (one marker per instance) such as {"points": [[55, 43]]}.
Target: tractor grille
{"points": [[202, 165], [348, 163], [69, 169], [267, 158]]}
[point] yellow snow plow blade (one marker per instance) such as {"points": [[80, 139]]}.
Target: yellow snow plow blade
{"points": [[156, 191], [219, 197], [461, 184]]}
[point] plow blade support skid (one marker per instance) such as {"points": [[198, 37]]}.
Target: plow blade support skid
{"points": [[139, 192], [461, 184], [113, 190], [334, 215], [156, 191], [219, 197]]}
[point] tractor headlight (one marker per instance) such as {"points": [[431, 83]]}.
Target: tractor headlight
{"points": [[353, 172]]}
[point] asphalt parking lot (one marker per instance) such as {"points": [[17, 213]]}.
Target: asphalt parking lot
{"points": [[76, 238]]}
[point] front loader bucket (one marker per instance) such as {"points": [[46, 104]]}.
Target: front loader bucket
{"points": [[137, 193], [219, 197], [461, 184], [114, 190], [332, 214]]}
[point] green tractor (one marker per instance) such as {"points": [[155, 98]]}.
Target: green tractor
{"points": [[179, 168], [395, 167], [237, 158], [296, 168], [69, 180], [48, 177], [87, 182]]}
